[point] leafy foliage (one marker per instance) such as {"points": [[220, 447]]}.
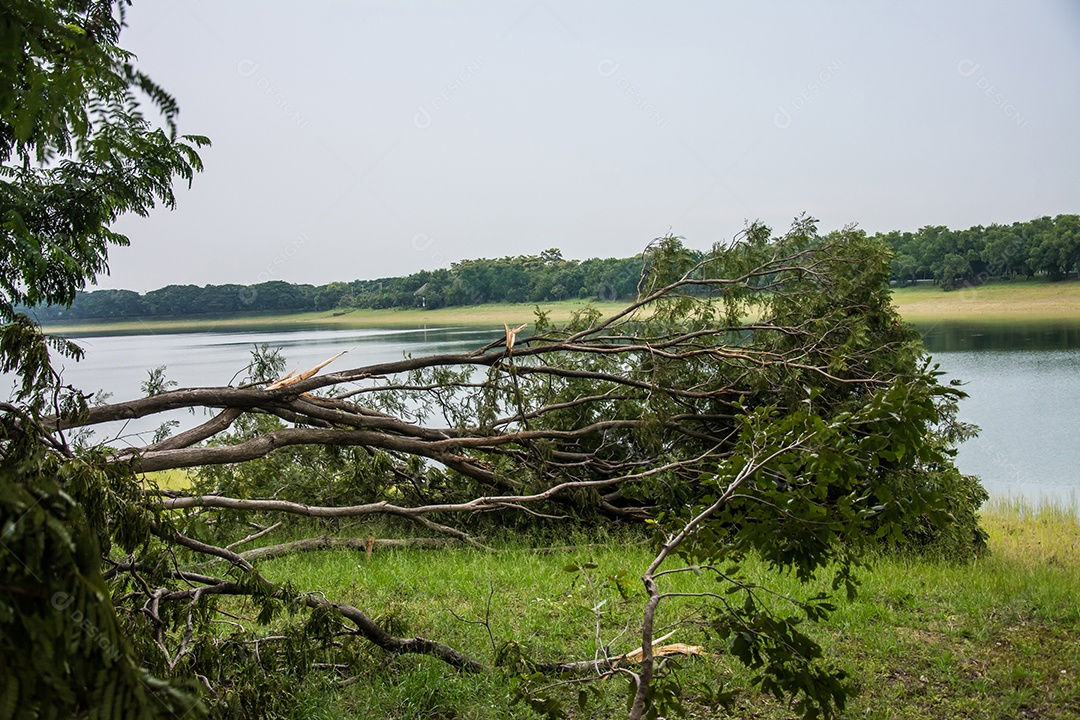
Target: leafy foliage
{"points": [[62, 650], [1047, 247], [75, 148], [75, 154]]}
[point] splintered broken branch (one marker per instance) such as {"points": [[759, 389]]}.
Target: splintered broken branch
{"points": [[292, 378]]}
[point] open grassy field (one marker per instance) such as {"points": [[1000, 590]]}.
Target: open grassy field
{"points": [[925, 638], [1012, 301], [494, 314], [1003, 301]]}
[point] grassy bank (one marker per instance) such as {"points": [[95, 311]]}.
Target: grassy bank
{"points": [[1014, 301], [1001, 301], [493, 314], [998, 638]]}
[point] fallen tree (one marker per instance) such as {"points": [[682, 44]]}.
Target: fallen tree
{"points": [[766, 400], [762, 399]]}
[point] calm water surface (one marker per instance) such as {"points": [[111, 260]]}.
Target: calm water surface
{"points": [[1023, 382], [118, 365]]}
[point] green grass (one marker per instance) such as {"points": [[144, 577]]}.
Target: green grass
{"points": [[996, 638], [176, 479]]}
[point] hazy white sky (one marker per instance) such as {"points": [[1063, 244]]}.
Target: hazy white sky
{"points": [[363, 139]]}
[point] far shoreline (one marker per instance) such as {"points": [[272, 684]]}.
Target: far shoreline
{"points": [[1004, 302]]}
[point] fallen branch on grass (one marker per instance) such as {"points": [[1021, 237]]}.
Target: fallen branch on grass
{"points": [[327, 542]]}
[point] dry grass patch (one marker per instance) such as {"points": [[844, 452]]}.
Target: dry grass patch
{"points": [[493, 314], [1001, 301]]}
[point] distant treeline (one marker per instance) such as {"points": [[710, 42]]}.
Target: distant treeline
{"points": [[525, 278], [1045, 247]]}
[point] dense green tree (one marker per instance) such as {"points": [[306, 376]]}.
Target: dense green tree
{"points": [[1053, 246], [76, 150], [1067, 235], [76, 153], [905, 268], [113, 304], [952, 270], [174, 300], [1002, 253], [329, 296], [1041, 247]]}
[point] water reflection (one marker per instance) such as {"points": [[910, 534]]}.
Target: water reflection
{"points": [[1023, 385], [967, 336]]}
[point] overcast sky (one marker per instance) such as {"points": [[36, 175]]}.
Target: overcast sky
{"points": [[360, 139]]}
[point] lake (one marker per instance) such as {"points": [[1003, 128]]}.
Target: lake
{"points": [[1023, 382]]}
